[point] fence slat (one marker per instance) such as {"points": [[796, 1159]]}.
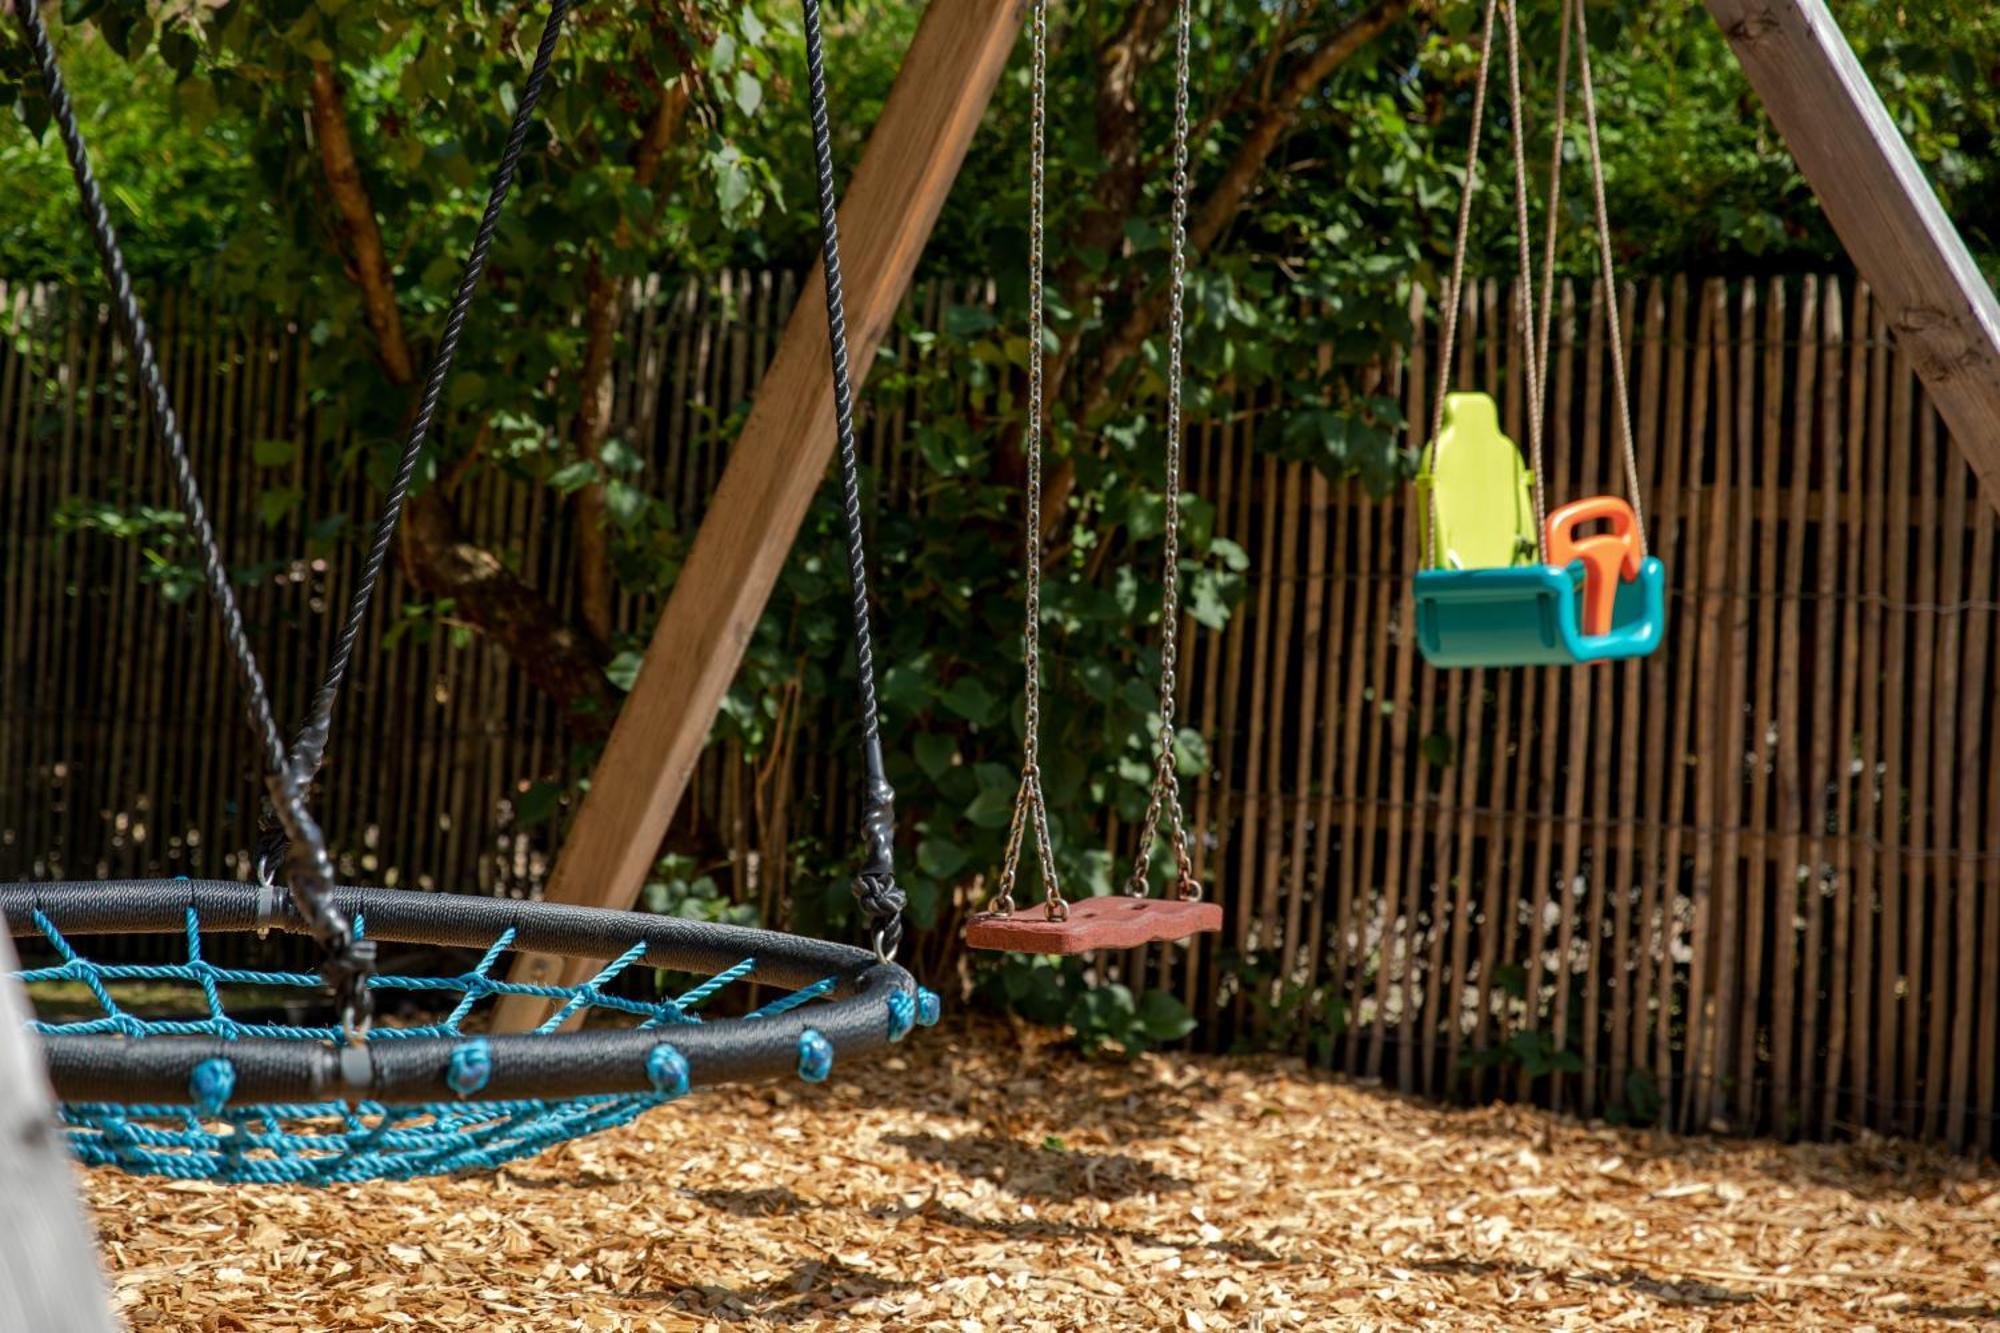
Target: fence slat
{"points": [[1749, 877]]}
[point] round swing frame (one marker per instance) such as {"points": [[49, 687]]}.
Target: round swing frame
{"points": [[861, 1011], [211, 1096]]}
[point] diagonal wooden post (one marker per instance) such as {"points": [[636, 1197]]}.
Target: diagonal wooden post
{"points": [[49, 1280], [1941, 310], [778, 462]]}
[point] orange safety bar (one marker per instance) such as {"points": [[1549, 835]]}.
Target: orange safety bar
{"points": [[1607, 556]]}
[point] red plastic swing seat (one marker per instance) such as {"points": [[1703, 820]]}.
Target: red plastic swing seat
{"points": [[1114, 921]]}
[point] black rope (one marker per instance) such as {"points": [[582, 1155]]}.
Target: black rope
{"points": [[310, 868], [309, 745], [875, 887]]}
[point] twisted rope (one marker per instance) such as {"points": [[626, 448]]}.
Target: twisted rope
{"points": [[875, 888], [309, 748], [289, 833], [311, 869]]}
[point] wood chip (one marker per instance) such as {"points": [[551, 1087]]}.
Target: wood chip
{"points": [[994, 1181]]}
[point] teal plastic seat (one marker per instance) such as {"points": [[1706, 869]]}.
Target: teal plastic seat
{"points": [[1529, 615]]}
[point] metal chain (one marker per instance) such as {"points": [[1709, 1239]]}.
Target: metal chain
{"points": [[1030, 810], [1166, 792], [308, 749], [1454, 294], [1614, 323], [875, 887]]}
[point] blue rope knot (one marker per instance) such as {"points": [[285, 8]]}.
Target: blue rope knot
{"points": [[902, 1014], [929, 1006], [667, 1070], [211, 1084], [471, 1066], [815, 1056]]}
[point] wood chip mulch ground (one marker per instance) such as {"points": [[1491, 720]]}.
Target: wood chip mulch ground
{"points": [[984, 1178]]}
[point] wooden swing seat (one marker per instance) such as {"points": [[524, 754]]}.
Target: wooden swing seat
{"points": [[1112, 922]]}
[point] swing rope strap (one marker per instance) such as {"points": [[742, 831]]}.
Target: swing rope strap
{"points": [[1454, 293], [292, 836], [308, 749], [1614, 321], [881, 899], [1536, 314]]}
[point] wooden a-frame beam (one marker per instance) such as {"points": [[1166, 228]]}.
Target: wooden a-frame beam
{"points": [[1942, 312], [778, 462], [49, 1278]]}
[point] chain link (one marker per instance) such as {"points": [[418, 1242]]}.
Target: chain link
{"points": [[1030, 810], [1166, 792]]}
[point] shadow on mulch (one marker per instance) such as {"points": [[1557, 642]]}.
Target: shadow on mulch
{"points": [[1047, 1173], [1685, 1291], [768, 1203], [1041, 1229], [809, 1293], [1870, 1167], [1064, 1088], [1977, 1313]]}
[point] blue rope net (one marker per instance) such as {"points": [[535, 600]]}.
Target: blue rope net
{"points": [[329, 1142]]}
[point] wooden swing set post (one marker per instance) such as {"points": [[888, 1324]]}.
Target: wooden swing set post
{"points": [[1883, 209], [49, 1279], [775, 467]]}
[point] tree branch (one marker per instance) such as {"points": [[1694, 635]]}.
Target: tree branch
{"points": [[1226, 200], [604, 309], [367, 262], [435, 551]]}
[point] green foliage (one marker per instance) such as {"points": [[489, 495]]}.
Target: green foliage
{"points": [[677, 887], [166, 547], [198, 117], [1056, 991], [1287, 1014]]}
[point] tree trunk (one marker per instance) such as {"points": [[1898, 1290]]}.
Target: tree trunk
{"points": [[367, 263], [604, 308], [435, 552], [557, 657]]}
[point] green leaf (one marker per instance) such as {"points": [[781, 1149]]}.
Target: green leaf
{"points": [[273, 506], [624, 502], [623, 670], [1163, 1018], [941, 858], [618, 456], [536, 804], [573, 477], [749, 92], [273, 453], [934, 752], [971, 700]]}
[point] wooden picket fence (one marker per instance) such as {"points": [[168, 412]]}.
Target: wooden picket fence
{"points": [[1752, 882]]}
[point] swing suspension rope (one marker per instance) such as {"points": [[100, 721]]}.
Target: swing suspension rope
{"points": [[875, 887], [1534, 314], [1030, 817], [289, 835]]}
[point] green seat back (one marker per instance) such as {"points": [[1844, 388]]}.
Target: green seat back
{"points": [[1485, 493]]}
